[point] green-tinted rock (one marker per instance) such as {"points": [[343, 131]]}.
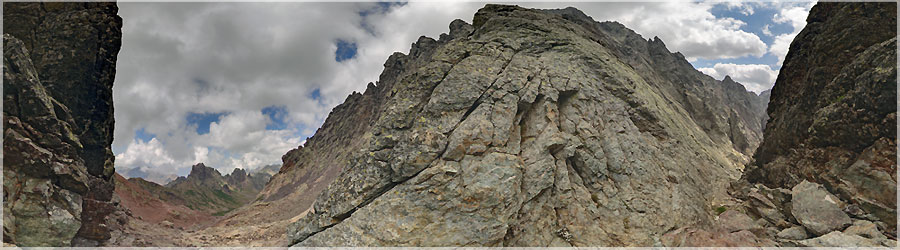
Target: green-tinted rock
{"points": [[528, 128], [58, 122]]}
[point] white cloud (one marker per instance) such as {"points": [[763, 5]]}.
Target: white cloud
{"points": [[766, 31], [745, 7], [796, 17], [686, 27], [150, 153], [754, 77], [237, 58]]}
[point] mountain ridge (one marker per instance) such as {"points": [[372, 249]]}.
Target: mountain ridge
{"points": [[834, 110], [415, 132]]}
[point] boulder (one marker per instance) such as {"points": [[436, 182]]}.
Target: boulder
{"points": [[793, 233], [833, 109], [733, 221], [866, 229], [840, 239], [816, 209]]}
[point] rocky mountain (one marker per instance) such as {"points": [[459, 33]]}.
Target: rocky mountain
{"points": [[58, 68], [833, 112], [525, 128], [164, 215], [153, 203], [764, 104], [825, 174], [205, 189]]}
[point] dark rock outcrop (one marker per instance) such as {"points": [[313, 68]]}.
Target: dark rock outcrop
{"points": [[59, 66], [833, 110], [526, 128]]}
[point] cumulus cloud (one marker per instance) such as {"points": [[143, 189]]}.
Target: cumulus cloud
{"points": [[754, 77], [237, 59], [796, 17], [230, 58], [687, 27], [745, 7], [766, 31]]}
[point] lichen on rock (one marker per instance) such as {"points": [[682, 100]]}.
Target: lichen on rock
{"points": [[58, 70], [535, 128]]}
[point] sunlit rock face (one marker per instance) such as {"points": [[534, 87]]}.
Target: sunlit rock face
{"points": [[526, 128], [58, 70]]}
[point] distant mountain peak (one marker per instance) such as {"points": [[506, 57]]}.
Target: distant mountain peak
{"points": [[202, 172]]}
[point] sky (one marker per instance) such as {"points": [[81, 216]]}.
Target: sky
{"points": [[237, 85]]}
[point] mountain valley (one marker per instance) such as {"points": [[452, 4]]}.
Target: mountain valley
{"points": [[526, 127]]}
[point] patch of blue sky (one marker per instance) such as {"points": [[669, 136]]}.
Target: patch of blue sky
{"points": [[143, 136], [378, 8], [316, 95], [345, 50], [756, 22], [277, 117], [202, 120]]}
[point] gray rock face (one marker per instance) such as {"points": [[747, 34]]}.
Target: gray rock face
{"points": [[527, 128], [839, 239], [834, 109], [734, 221], [866, 229], [770, 204], [58, 71], [816, 209], [793, 233]]}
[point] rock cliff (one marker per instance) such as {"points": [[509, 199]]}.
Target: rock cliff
{"points": [[525, 128], [58, 70], [833, 110]]}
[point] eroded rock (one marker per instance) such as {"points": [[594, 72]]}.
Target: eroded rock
{"points": [[833, 110], [793, 233], [535, 128], [58, 71], [839, 239]]}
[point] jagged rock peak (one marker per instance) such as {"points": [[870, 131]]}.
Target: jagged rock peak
{"points": [[202, 172], [237, 175], [534, 130], [238, 172]]}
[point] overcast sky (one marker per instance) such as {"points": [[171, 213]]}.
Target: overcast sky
{"points": [[237, 85]]}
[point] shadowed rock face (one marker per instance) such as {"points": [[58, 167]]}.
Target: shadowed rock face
{"points": [[833, 109], [59, 66], [526, 128]]}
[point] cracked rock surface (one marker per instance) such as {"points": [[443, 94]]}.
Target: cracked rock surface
{"points": [[834, 111], [526, 128], [58, 71]]}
